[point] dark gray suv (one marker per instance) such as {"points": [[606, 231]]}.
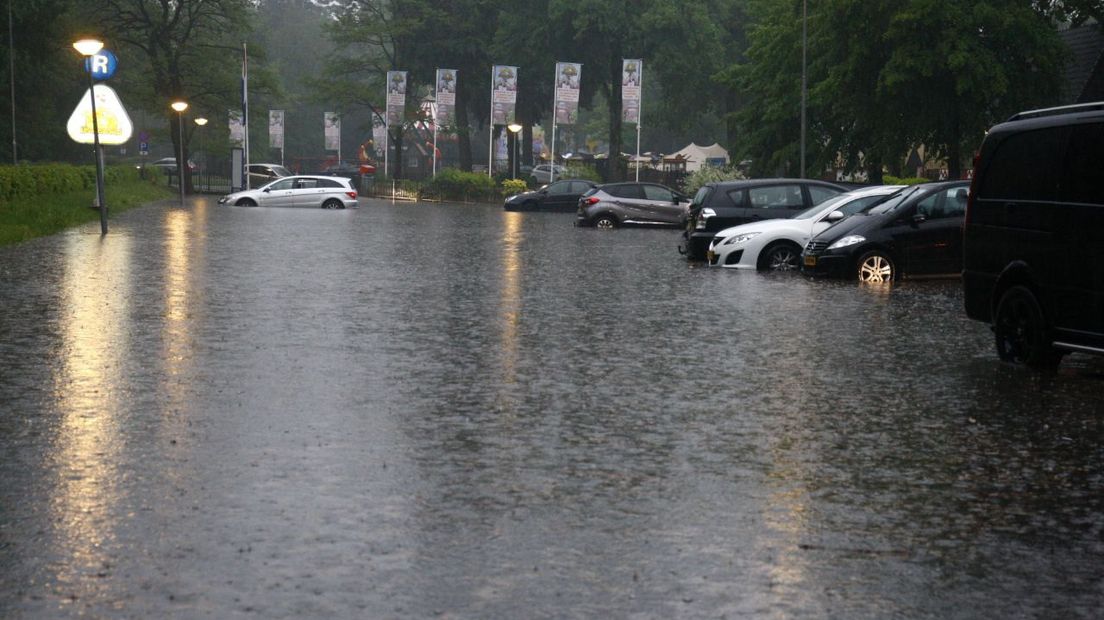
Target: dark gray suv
{"points": [[616, 204], [1033, 250]]}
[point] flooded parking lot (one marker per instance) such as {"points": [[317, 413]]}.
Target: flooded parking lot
{"points": [[453, 411]]}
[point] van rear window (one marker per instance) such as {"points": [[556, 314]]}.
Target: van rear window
{"points": [[1084, 164], [1026, 166]]}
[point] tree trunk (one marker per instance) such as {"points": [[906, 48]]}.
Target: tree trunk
{"points": [[397, 160], [463, 134], [613, 171]]}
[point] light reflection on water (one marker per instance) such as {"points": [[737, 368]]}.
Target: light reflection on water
{"points": [[418, 410]]}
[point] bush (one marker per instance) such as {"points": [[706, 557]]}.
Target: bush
{"points": [[513, 186], [28, 181], [892, 180], [711, 174], [453, 184]]}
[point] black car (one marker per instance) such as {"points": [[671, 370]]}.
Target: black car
{"points": [[1033, 262], [917, 231], [717, 206], [562, 196]]}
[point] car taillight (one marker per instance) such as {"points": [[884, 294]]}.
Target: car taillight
{"points": [[592, 200], [351, 195]]}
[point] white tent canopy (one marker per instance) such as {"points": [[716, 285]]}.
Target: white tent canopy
{"points": [[698, 156]]}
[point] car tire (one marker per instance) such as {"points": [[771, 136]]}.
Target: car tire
{"points": [[606, 222], [333, 203], [780, 256], [875, 267], [246, 202], [1021, 332]]}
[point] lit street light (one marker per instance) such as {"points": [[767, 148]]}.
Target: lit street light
{"points": [[514, 129], [200, 121], [180, 106], [89, 48]]}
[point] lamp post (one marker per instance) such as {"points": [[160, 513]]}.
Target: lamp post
{"points": [[200, 121], [180, 106], [89, 48], [514, 129]]}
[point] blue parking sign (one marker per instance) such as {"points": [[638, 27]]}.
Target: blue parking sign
{"points": [[101, 65]]}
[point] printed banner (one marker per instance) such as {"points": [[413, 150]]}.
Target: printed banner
{"points": [[632, 75], [503, 94], [446, 96], [379, 138], [237, 129], [568, 75], [396, 96], [333, 131], [276, 129]]}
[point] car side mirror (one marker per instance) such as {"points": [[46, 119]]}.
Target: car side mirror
{"points": [[265, 190], [543, 190], [834, 216], [919, 218]]}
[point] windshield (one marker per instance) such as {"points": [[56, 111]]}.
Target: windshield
{"points": [[829, 205], [892, 202], [699, 198], [282, 171]]}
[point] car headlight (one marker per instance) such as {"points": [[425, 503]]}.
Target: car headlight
{"points": [[846, 241], [738, 239], [703, 217]]}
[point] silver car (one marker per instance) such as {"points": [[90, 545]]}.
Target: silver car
{"points": [[614, 204], [298, 191]]}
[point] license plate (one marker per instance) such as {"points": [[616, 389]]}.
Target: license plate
{"points": [[810, 261]]}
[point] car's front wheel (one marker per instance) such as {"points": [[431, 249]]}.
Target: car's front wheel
{"points": [[246, 202], [780, 257], [875, 267], [1021, 331]]}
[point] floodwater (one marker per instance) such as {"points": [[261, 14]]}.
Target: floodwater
{"points": [[412, 411]]}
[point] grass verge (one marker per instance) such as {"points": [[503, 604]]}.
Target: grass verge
{"points": [[23, 219]]}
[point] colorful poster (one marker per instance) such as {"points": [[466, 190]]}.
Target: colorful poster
{"points": [[568, 75], [446, 97], [396, 97], [503, 94], [379, 138], [632, 76], [276, 129], [333, 131], [237, 129]]}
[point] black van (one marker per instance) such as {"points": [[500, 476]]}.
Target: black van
{"points": [[1033, 255]]}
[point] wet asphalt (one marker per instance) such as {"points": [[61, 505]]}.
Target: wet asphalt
{"points": [[449, 411]]}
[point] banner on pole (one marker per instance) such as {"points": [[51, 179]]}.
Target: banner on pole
{"points": [[237, 129], [568, 76], [396, 96], [276, 129], [333, 131], [446, 96], [503, 94], [632, 75]]}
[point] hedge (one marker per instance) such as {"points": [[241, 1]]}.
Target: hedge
{"points": [[28, 181]]}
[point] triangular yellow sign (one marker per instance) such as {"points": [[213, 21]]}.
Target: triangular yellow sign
{"points": [[113, 123]]}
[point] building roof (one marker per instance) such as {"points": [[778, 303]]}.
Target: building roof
{"points": [[1084, 76]]}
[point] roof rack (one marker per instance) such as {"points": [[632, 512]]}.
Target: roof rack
{"points": [[1066, 109]]}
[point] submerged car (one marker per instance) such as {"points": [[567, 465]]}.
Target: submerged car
{"points": [[776, 245], [724, 204], [617, 204], [917, 232], [559, 196], [298, 191]]}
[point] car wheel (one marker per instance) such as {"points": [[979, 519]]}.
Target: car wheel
{"points": [[876, 267], [605, 221], [781, 256], [332, 203], [246, 202], [1021, 331]]}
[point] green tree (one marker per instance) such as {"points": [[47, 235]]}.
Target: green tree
{"points": [[180, 49]]}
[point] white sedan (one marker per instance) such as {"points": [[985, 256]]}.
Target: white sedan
{"points": [[776, 244], [298, 191]]}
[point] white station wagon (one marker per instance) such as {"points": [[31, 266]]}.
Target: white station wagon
{"points": [[298, 191]]}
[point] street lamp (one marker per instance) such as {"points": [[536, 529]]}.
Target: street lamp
{"points": [[89, 48], [200, 121], [180, 106], [514, 129]]}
